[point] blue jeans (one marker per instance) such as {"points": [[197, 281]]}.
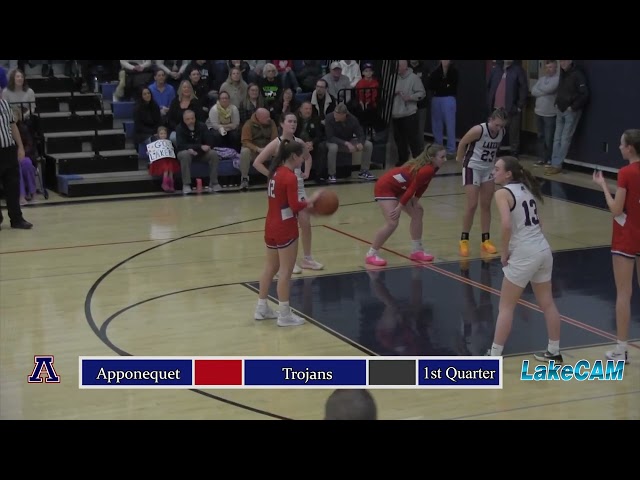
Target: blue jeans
{"points": [[546, 127], [566, 123], [443, 113]]}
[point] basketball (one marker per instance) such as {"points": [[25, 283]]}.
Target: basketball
{"points": [[327, 203]]}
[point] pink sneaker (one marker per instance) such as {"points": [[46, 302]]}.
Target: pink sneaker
{"points": [[376, 260], [421, 257], [165, 184]]}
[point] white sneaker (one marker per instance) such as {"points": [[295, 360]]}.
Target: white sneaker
{"points": [[311, 265], [264, 313], [290, 320], [186, 190], [616, 356]]}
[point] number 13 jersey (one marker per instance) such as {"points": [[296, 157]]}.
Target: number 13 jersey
{"points": [[482, 153], [526, 234]]}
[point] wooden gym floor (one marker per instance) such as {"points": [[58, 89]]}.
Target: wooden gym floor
{"points": [[176, 275]]}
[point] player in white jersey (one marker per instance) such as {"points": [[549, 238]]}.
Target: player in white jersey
{"points": [[289, 123], [477, 151], [526, 254]]}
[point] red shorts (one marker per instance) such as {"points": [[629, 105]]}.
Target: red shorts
{"points": [[385, 192], [625, 246], [277, 243]]}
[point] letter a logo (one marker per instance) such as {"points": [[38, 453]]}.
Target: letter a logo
{"points": [[43, 366]]}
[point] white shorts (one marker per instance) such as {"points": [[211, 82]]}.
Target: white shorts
{"points": [[525, 267], [302, 194], [475, 176]]}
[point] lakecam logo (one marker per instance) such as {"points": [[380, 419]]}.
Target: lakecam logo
{"points": [[581, 371]]}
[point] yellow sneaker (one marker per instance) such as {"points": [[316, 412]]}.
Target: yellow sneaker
{"points": [[488, 247], [464, 248]]}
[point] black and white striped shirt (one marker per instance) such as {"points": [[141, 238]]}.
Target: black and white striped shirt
{"points": [[6, 119]]}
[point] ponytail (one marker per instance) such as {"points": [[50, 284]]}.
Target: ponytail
{"points": [[522, 175], [532, 183]]}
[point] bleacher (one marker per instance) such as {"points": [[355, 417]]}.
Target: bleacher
{"points": [[88, 142]]}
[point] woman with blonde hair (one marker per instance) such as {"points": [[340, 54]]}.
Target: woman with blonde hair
{"points": [[235, 86], [401, 189]]}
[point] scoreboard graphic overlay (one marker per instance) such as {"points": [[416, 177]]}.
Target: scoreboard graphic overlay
{"points": [[291, 372]]}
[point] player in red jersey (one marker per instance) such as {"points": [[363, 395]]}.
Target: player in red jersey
{"points": [[281, 231], [289, 123], [401, 189], [625, 243]]}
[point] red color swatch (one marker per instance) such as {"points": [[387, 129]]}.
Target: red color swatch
{"points": [[218, 372]]}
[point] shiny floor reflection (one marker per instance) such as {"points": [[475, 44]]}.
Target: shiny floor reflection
{"points": [[419, 311]]}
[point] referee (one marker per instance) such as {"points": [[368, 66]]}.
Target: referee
{"points": [[11, 151]]}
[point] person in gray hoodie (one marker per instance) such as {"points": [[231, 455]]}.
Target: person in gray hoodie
{"points": [[545, 92], [406, 131]]}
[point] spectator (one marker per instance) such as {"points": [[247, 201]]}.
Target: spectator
{"points": [[255, 70], [17, 91], [235, 86], [200, 89], [336, 82], [167, 165], [194, 144], [351, 69], [244, 68], [138, 74], [367, 91], [406, 133], [323, 102], [173, 69], [347, 404], [287, 103], [571, 98], [545, 109], [421, 69], [3, 79], [508, 88], [309, 130], [162, 92], [310, 73], [27, 164], [186, 100], [443, 83], [250, 103], [345, 134], [286, 74], [207, 71], [270, 86], [257, 132], [224, 122], [146, 117]]}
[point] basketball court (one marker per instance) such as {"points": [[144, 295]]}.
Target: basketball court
{"points": [[177, 275]]}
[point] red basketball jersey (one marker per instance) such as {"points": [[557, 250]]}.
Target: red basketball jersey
{"points": [[401, 183], [627, 236], [282, 217]]}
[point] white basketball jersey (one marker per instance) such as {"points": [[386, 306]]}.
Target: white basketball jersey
{"points": [[482, 153], [526, 233]]}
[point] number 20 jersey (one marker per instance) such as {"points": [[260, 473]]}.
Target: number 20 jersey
{"points": [[526, 234], [482, 153]]}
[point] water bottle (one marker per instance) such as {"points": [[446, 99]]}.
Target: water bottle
{"points": [[199, 184]]}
